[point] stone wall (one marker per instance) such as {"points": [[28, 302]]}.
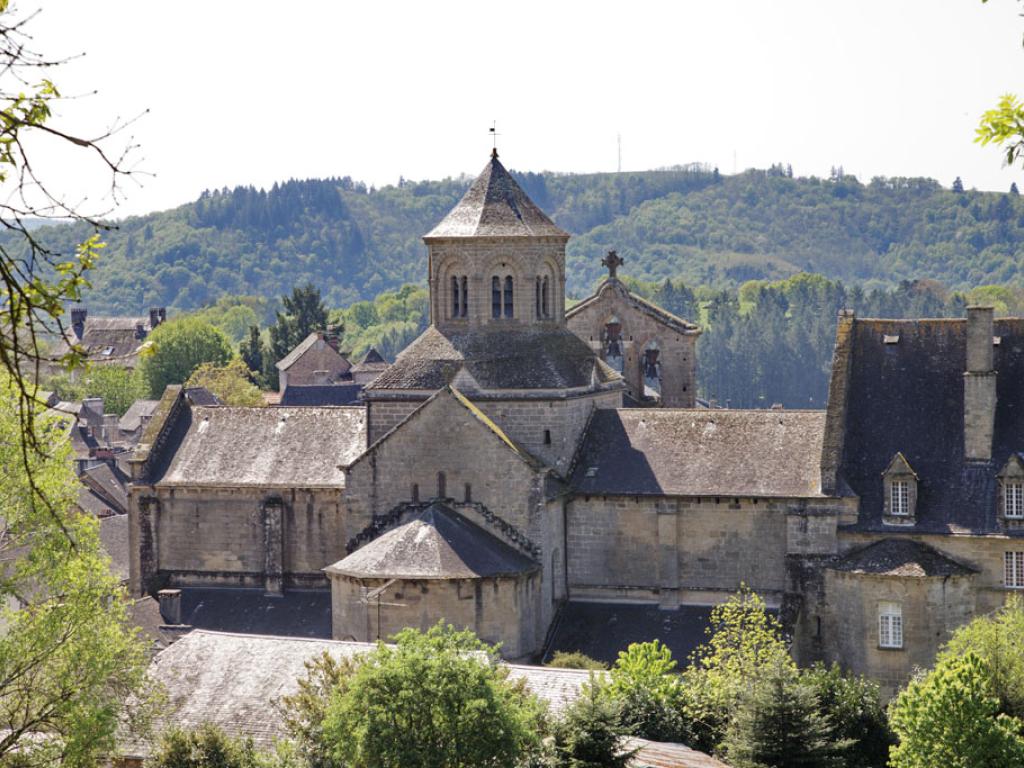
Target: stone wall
{"points": [[691, 549], [931, 609], [268, 538], [549, 429], [677, 351], [384, 415], [499, 610]]}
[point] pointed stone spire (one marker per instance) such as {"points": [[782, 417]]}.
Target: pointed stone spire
{"points": [[495, 206]]}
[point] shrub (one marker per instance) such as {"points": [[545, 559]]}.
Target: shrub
{"points": [[574, 660]]}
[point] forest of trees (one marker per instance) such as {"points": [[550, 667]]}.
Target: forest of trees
{"points": [[688, 223]]}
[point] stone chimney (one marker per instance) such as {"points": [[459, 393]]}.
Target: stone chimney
{"points": [[979, 386], [78, 316], [333, 337], [157, 315], [170, 605]]}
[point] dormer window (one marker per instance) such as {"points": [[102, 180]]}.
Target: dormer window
{"points": [[900, 486], [1011, 489]]}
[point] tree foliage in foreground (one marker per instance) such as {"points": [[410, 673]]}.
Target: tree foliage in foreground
{"points": [[231, 383], [590, 733], [950, 717], [69, 658], [436, 699]]}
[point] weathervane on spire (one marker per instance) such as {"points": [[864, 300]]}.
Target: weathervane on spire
{"points": [[494, 136], [613, 261]]}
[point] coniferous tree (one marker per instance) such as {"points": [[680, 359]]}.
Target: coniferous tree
{"points": [[304, 312], [778, 724], [958, 185], [251, 351], [1013, 189]]}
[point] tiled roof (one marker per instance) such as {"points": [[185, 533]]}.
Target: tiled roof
{"points": [[114, 339], [659, 754], [325, 394], [326, 357], [698, 452], [114, 538], [109, 482], [137, 411], [236, 681], [372, 361], [262, 446], [901, 557], [295, 613], [502, 358], [907, 396], [495, 206], [434, 543], [677, 324]]}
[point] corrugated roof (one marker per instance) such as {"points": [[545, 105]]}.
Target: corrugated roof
{"points": [[497, 358], [236, 681], [285, 447], [434, 543], [495, 206], [908, 397], [698, 452], [901, 557]]}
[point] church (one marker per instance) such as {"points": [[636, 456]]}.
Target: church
{"points": [[547, 477]]}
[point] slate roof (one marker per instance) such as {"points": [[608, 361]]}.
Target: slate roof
{"points": [[601, 630], [495, 206], [263, 446], [110, 482], [235, 682], [372, 361], [434, 543], [295, 613], [496, 359], [641, 304], [326, 394], [908, 397], [698, 452], [137, 411], [200, 396], [324, 355], [901, 557], [660, 754], [114, 538], [95, 504], [113, 339]]}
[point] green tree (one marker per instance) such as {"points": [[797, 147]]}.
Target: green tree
{"points": [[1003, 126], [574, 660], [251, 351], [950, 717], [958, 185], [997, 639], [437, 699], [853, 706], [177, 348], [590, 733], [743, 641], [119, 387], [209, 747], [645, 682], [777, 725], [69, 658], [304, 312], [306, 709], [230, 382]]}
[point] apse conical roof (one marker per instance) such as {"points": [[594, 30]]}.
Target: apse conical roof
{"points": [[495, 206]]}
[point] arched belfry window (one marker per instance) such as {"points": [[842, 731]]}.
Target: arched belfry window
{"points": [[465, 296], [495, 297], [456, 304], [539, 311], [544, 305], [508, 297]]}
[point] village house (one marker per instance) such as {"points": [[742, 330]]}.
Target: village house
{"points": [[493, 476]]}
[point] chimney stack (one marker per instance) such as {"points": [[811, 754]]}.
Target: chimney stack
{"points": [[979, 386], [78, 316], [170, 605], [157, 315]]}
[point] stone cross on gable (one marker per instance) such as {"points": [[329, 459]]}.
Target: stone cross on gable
{"points": [[613, 261]]}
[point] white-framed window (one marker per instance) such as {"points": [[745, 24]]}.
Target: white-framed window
{"points": [[899, 498], [1013, 499], [890, 625], [1013, 570]]}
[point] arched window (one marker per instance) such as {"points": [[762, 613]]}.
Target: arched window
{"points": [[456, 309], [508, 297], [465, 296], [495, 297], [545, 309], [539, 311]]}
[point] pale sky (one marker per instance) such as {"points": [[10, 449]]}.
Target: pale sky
{"points": [[256, 92]]}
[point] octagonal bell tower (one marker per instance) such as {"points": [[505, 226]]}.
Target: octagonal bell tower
{"points": [[496, 260]]}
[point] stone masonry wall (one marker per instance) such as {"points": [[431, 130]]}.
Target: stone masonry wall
{"points": [[673, 549], [677, 352], [499, 610], [384, 415], [218, 537]]}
